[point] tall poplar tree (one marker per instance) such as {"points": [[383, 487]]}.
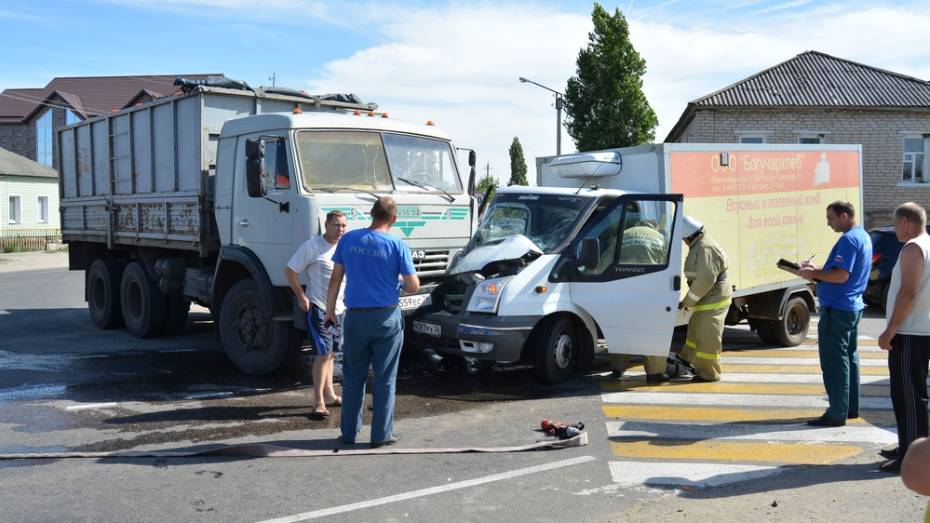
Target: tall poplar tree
{"points": [[604, 102]]}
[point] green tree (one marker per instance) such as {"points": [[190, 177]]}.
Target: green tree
{"points": [[517, 164], [484, 183], [604, 102]]}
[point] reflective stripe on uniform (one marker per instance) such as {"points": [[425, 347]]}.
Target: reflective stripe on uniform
{"points": [[692, 296], [689, 343], [713, 306], [707, 355]]}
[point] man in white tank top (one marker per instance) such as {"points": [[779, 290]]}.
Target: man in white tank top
{"points": [[907, 335]]}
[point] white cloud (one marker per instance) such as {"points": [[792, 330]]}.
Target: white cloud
{"points": [[458, 65]]}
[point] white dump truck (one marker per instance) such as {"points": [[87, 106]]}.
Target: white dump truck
{"points": [[203, 196], [546, 277]]}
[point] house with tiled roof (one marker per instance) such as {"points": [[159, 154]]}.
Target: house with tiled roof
{"points": [[28, 117], [818, 98]]}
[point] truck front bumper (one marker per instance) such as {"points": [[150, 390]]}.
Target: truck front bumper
{"points": [[480, 336]]}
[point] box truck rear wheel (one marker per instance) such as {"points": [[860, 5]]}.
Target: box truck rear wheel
{"points": [[557, 344], [103, 290], [253, 342], [142, 303], [791, 329]]}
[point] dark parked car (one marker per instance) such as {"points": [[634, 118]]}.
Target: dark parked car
{"points": [[885, 250]]}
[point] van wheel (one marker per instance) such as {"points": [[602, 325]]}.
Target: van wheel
{"points": [[176, 317], [253, 342], [557, 346], [791, 330], [142, 303], [103, 290]]}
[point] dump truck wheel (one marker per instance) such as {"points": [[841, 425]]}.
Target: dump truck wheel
{"points": [[103, 293], [142, 303], [791, 330], [764, 331], [557, 346], [253, 342]]}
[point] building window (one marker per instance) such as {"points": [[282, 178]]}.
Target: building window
{"points": [[810, 140], [751, 139], [71, 117], [42, 209], [16, 209], [914, 156], [44, 138]]}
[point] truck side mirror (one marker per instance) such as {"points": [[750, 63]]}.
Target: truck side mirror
{"points": [[254, 177], [472, 161], [590, 253]]}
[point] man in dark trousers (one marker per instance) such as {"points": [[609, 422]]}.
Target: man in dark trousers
{"points": [[374, 261], [907, 334], [841, 282]]}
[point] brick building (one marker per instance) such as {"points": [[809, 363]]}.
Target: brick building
{"points": [[818, 98], [28, 117]]}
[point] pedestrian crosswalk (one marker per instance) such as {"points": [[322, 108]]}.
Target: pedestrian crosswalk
{"points": [[749, 425]]}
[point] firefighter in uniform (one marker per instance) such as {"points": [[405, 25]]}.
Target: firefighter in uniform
{"points": [[709, 299], [642, 244]]}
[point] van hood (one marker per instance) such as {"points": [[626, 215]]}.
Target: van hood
{"points": [[510, 248]]}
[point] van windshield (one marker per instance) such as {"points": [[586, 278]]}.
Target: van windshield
{"points": [[546, 219]]}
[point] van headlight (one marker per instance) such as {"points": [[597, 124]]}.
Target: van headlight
{"points": [[487, 295]]}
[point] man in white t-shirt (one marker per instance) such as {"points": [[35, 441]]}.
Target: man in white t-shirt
{"points": [[907, 335], [314, 260]]}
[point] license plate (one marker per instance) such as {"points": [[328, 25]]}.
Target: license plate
{"points": [[415, 300], [430, 329]]}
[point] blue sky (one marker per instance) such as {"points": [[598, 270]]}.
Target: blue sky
{"points": [[455, 63]]}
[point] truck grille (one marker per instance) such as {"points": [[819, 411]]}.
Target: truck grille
{"points": [[432, 263]]}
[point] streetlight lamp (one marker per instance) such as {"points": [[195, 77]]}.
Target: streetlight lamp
{"points": [[559, 99]]}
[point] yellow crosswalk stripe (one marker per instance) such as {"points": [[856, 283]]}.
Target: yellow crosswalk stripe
{"points": [[734, 415], [722, 387], [742, 451], [790, 353], [792, 369]]}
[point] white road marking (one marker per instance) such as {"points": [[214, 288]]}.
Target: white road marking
{"points": [[736, 377], [734, 400], [429, 491], [750, 432], [89, 406], [630, 473]]}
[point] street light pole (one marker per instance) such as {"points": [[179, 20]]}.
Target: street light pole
{"points": [[559, 100]]}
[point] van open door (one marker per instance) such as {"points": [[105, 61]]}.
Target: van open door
{"points": [[626, 272]]}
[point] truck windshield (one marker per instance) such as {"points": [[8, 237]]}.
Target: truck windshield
{"points": [[423, 161], [343, 160], [546, 219]]}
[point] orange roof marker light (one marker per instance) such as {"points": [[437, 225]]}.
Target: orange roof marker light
{"points": [[297, 110], [430, 122], [357, 113], [384, 115], [371, 113]]}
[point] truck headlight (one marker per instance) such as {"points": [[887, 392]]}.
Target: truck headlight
{"points": [[487, 295]]}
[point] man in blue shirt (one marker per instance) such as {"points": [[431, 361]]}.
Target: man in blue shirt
{"points": [[840, 284], [374, 261]]}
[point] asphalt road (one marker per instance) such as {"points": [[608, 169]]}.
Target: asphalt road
{"points": [[65, 386]]}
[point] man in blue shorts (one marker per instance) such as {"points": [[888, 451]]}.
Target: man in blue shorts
{"points": [[375, 262], [314, 260], [840, 284]]}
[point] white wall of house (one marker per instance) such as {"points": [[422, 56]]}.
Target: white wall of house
{"points": [[28, 191]]}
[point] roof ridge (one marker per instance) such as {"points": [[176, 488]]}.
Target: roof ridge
{"points": [[133, 76], [867, 66]]}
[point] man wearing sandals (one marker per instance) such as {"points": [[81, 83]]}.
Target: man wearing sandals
{"points": [[314, 258]]}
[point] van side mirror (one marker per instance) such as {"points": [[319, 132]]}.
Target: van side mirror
{"points": [[590, 253], [254, 177]]}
